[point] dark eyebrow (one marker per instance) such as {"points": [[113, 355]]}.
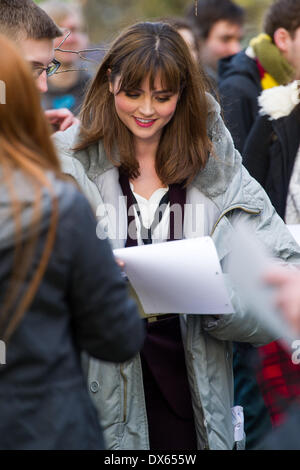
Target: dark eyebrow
{"points": [[154, 91], [231, 36], [38, 64], [162, 91]]}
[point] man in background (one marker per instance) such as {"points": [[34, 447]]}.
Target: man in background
{"points": [[219, 24], [272, 59], [66, 90], [33, 31]]}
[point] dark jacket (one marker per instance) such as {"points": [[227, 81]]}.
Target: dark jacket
{"points": [[286, 435], [81, 305], [239, 87], [270, 152], [71, 97]]}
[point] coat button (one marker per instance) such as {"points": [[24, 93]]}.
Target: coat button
{"points": [[94, 386]]}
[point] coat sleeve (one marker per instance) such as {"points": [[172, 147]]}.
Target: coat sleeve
{"points": [[244, 325], [241, 326], [106, 320]]}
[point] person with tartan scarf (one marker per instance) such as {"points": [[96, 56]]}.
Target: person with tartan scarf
{"points": [[271, 59], [272, 157]]}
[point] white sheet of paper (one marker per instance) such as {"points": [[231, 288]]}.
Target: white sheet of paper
{"points": [[183, 276], [295, 231], [247, 265]]}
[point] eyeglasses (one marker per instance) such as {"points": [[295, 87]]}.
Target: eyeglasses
{"points": [[50, 70]]}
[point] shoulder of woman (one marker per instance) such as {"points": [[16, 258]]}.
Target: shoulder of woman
{"points": [[65, 191], [224, 162], [64, 141], [213, 110], [280, 101]]}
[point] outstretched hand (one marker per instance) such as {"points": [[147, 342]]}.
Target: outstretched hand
{"points": [[120, 263], [61, 119], [288, 294]]}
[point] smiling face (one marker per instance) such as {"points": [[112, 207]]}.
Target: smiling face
{"points": [[145, 111]]}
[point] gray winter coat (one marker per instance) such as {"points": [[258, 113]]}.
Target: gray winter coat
{"points": [[228, 195]]}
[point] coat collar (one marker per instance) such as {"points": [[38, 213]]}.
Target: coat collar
{"points": [[279, 101]]}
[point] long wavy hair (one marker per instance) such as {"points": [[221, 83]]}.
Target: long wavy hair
{"points": [[144, 50], [26, 148]]}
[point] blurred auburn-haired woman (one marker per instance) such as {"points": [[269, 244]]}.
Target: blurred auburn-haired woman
{"points": [[61, 291]]}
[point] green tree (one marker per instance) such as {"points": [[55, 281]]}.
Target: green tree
{"points": [[106, 17]]}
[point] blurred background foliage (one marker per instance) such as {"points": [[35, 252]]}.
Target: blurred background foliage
{"points": [[105, 18]]}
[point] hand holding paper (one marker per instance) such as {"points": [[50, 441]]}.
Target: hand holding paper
{"points": [[177, 277]]}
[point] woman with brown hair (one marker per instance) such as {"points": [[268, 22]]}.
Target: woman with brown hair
{"points": [[151, 139], [60, 290]]}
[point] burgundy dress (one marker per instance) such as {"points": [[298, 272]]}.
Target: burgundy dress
{"points": [[167, 394]]}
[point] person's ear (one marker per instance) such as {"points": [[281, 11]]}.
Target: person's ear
{"points": [[282, 39], [110, 85]]}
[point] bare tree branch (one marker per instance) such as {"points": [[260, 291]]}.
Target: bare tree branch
{"points": [[79, 53]]}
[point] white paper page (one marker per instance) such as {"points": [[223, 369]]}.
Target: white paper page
{"points": [[248, 263], [295, 231], [183, 276]]}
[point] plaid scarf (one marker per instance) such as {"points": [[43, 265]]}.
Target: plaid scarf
{"points": [[279, 380]]}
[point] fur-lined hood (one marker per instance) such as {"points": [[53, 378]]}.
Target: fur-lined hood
{"points": [[279, 101]]}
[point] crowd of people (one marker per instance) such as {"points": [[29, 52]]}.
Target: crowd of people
{"points": [[177, 113]]}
